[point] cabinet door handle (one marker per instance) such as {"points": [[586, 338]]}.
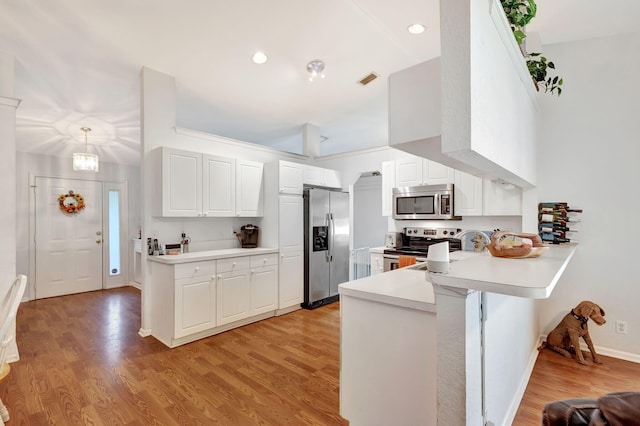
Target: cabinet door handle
{"points": [[253, 272], [205, 213], [199, 214], [197, 268], [219, 277]]}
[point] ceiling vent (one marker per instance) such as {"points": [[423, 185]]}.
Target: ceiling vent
{"points": [[368, 79]]}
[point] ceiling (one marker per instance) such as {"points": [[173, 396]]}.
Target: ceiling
{"points": [[78, 64]]}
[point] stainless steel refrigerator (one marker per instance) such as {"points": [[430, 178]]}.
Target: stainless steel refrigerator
{"points": [[326, 245]]}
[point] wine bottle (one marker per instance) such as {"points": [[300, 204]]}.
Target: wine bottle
{"points": [[556, 218], [550, 227], [554, 239]]}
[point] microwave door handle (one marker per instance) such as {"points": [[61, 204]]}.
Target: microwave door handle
{"points": [[436, 209]]}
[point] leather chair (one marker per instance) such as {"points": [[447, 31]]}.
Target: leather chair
{"points": [[614, 409]]}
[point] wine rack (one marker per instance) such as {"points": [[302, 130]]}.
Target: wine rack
{"points": [[558, 223]]}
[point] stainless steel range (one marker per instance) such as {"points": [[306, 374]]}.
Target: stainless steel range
{"points": [[416, 242]]}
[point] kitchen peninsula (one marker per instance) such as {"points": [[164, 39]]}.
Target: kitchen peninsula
{"points": [[411, 338]]}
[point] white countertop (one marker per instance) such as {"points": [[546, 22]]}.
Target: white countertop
{"points": [[210, 255], [412, 288], [405, 287], [379, 250], [534, 278]]}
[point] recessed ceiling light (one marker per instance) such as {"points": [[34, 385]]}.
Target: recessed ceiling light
{"points": [[416, 28], [259, 58]]}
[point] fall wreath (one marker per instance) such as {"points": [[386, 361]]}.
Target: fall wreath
{"points": [[71, 203]]}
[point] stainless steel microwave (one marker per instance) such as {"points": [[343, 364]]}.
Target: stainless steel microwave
{"points": [[424, 202]]}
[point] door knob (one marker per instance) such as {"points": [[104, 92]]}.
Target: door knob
{"points": [[98, 241]]}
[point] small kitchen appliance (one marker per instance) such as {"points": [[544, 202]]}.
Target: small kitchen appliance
{"points": [[248, 236], [393, 239], [416, 242]]}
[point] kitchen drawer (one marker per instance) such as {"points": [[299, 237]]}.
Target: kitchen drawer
{"points": [[264, 260], [194, 269], [233, 264]]}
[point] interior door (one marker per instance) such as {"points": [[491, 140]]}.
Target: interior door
{"points": [[68, 245]]}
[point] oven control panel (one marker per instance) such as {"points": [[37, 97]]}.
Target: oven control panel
{"points": [[431, 232]]}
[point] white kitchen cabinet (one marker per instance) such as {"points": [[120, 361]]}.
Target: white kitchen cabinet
{"points": [[290, 177], [291, 279], [291, 223], [181, 184], [198, 185], [318, 176], [263, 284], [195, 297], [249, 188], [377, 263], [291, 242], [467, 194], [219, 186], [388, 183], [233, 285], [416, 171]]}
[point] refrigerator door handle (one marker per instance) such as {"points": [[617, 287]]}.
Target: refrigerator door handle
{"points": [[333, 235], [327, 224]]}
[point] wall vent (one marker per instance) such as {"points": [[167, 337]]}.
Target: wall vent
{"points": [[368, 79]]}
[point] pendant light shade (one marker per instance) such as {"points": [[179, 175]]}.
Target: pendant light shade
{"points": [[83, 161]]}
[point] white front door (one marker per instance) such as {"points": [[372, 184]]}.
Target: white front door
{"points": [[68, 244]]}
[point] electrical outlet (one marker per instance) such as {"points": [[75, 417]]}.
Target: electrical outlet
{"points": [[621, 327]]}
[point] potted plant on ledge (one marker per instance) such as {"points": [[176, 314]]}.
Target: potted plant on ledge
{"points": [[519, 13]]}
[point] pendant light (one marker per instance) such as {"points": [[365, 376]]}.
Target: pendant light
{"points": [[83, 161]]}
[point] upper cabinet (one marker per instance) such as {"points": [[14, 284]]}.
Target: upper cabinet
{"points": [[197, 185], [416, 171], [318, 176], [249, 191], [467, 196], [219, 186], [293, 176], [290, 177]]}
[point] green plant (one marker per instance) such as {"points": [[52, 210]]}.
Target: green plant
{"points": [[519, 13], [538, 67]]}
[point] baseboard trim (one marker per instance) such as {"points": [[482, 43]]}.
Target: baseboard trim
{"points": [[144, 332], [602, 350], [517, 399]]}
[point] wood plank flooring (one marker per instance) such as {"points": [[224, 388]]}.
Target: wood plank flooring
{"points": [[555, 377], [83, 363]]}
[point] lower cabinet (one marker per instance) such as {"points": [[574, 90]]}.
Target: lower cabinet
{"points": [[233, 290], [198, 299], [377, 263], [195, 298], [263, 284]]}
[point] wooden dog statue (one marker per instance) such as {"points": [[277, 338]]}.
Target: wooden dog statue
{"points": [[566, 336]]}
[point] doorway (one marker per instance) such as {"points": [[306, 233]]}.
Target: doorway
{"points": [[79, 240], [369, 226]]}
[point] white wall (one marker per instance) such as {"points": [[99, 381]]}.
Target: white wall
{"points": [[29, 165], [589, 152]]}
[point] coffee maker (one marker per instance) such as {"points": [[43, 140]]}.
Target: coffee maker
{"points": [[248, 236]]}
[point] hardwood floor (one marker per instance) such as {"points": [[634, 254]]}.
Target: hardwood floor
{"points": [[555, 377], [83, 363]]}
